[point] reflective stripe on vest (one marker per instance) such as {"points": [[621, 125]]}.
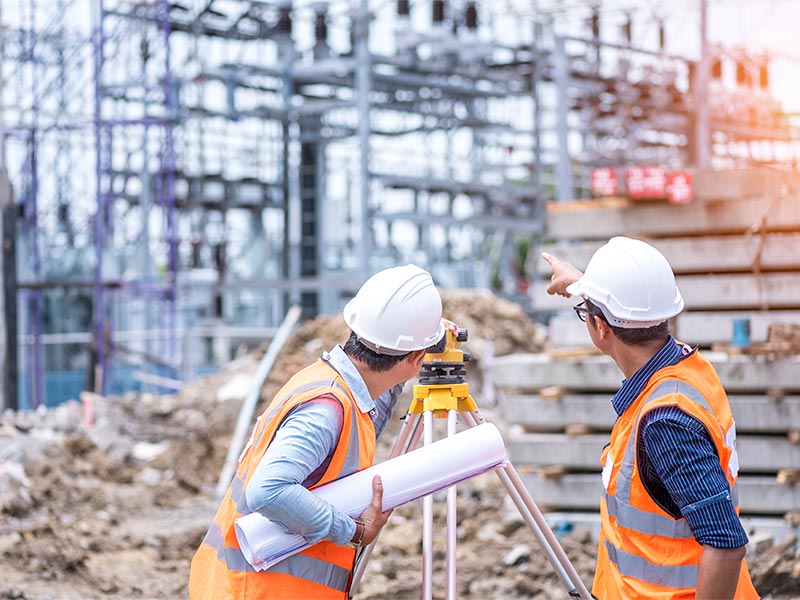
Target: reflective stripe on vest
{"points": [[238, 496], [635, 566], [299, 565], [313, 569], [647, 522], [353, 458], [232, 557]]}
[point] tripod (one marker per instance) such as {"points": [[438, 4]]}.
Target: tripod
{"points": [[443, 393]]}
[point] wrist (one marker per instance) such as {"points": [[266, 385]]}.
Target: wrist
{"points": [[357, 541]]}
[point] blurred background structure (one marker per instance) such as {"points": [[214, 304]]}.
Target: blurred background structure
{"points": [[174, 175]]}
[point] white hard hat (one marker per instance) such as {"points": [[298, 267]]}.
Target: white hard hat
{"points": [[631, 282], [396, 311]]}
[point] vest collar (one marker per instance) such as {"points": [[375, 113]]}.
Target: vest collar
{"points": [[669, 354], [337, 359]]}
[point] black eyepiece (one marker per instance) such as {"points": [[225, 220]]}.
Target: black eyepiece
{"points": [[439, 346]]}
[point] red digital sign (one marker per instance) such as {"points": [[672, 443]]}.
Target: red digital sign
{"points": [[679, 187], [646, 183], [604, 182]]}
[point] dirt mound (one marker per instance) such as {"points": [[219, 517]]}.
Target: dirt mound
{"points": [[496, 327]]}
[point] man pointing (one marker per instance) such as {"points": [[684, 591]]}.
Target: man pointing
{"points": [[669, 510]]}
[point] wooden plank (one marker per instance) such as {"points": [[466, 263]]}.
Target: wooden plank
{"points": [[753, 414], [583, 204], [599, 373], [788, 476], [757, 494], [714, 292], [757, 454], [696, 328], [785, 333], [724, 184], [667, 220], [774, 251], [574, 352]]}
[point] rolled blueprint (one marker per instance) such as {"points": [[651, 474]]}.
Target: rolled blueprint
{"points": [[405, 478]]}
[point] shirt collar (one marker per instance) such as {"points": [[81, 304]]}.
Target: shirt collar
{"points": [[669, 354], [342, 363]]}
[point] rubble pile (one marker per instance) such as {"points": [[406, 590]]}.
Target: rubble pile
{"points": [[117, 509], [111, 510]]}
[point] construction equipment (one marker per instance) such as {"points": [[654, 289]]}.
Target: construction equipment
{"points": [[442, 392]]}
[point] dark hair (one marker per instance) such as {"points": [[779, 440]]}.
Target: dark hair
{"points": [[632, 337], [377, 362]]}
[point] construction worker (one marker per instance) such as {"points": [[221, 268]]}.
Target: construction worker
{"points": [[321, 426], [669, 510]]}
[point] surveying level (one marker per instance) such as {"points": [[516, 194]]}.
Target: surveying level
{"points": [[443, 392], [442, 385]]}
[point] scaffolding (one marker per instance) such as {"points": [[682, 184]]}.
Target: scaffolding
{"points": [[184, 172]]}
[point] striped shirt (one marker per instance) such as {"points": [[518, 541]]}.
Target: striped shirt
{"points": [[678, 462]]}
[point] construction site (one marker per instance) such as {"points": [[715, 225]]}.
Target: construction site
{"points": [[190, 193]]}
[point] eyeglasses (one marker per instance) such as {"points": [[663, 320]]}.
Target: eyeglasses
{"points": [[581, 310]]}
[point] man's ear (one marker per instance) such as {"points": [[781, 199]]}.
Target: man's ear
{"points": [[603, 328], [417, 357]]}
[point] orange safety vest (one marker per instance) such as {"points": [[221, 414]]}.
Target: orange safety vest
{"points": [[644, 552], [219, 570]]}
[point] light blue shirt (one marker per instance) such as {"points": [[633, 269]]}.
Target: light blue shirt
{"points": [[305, 439]]}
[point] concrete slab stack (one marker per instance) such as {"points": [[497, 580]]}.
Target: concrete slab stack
{"points": [[734, 249]]}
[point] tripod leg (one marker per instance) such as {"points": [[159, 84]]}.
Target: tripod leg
{"points": [[452, 423], [533, 517], [410, 429], [427, 521]]}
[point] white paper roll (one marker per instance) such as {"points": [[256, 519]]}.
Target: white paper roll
{"points": [[407, 477]]}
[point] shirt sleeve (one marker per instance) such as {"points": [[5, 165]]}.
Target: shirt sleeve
{"points": [[303, 442], [686, 462]]}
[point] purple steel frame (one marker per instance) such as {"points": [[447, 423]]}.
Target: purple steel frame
{"points": [[168, 169], [102, 160], [32, 209], [164, 185]]}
